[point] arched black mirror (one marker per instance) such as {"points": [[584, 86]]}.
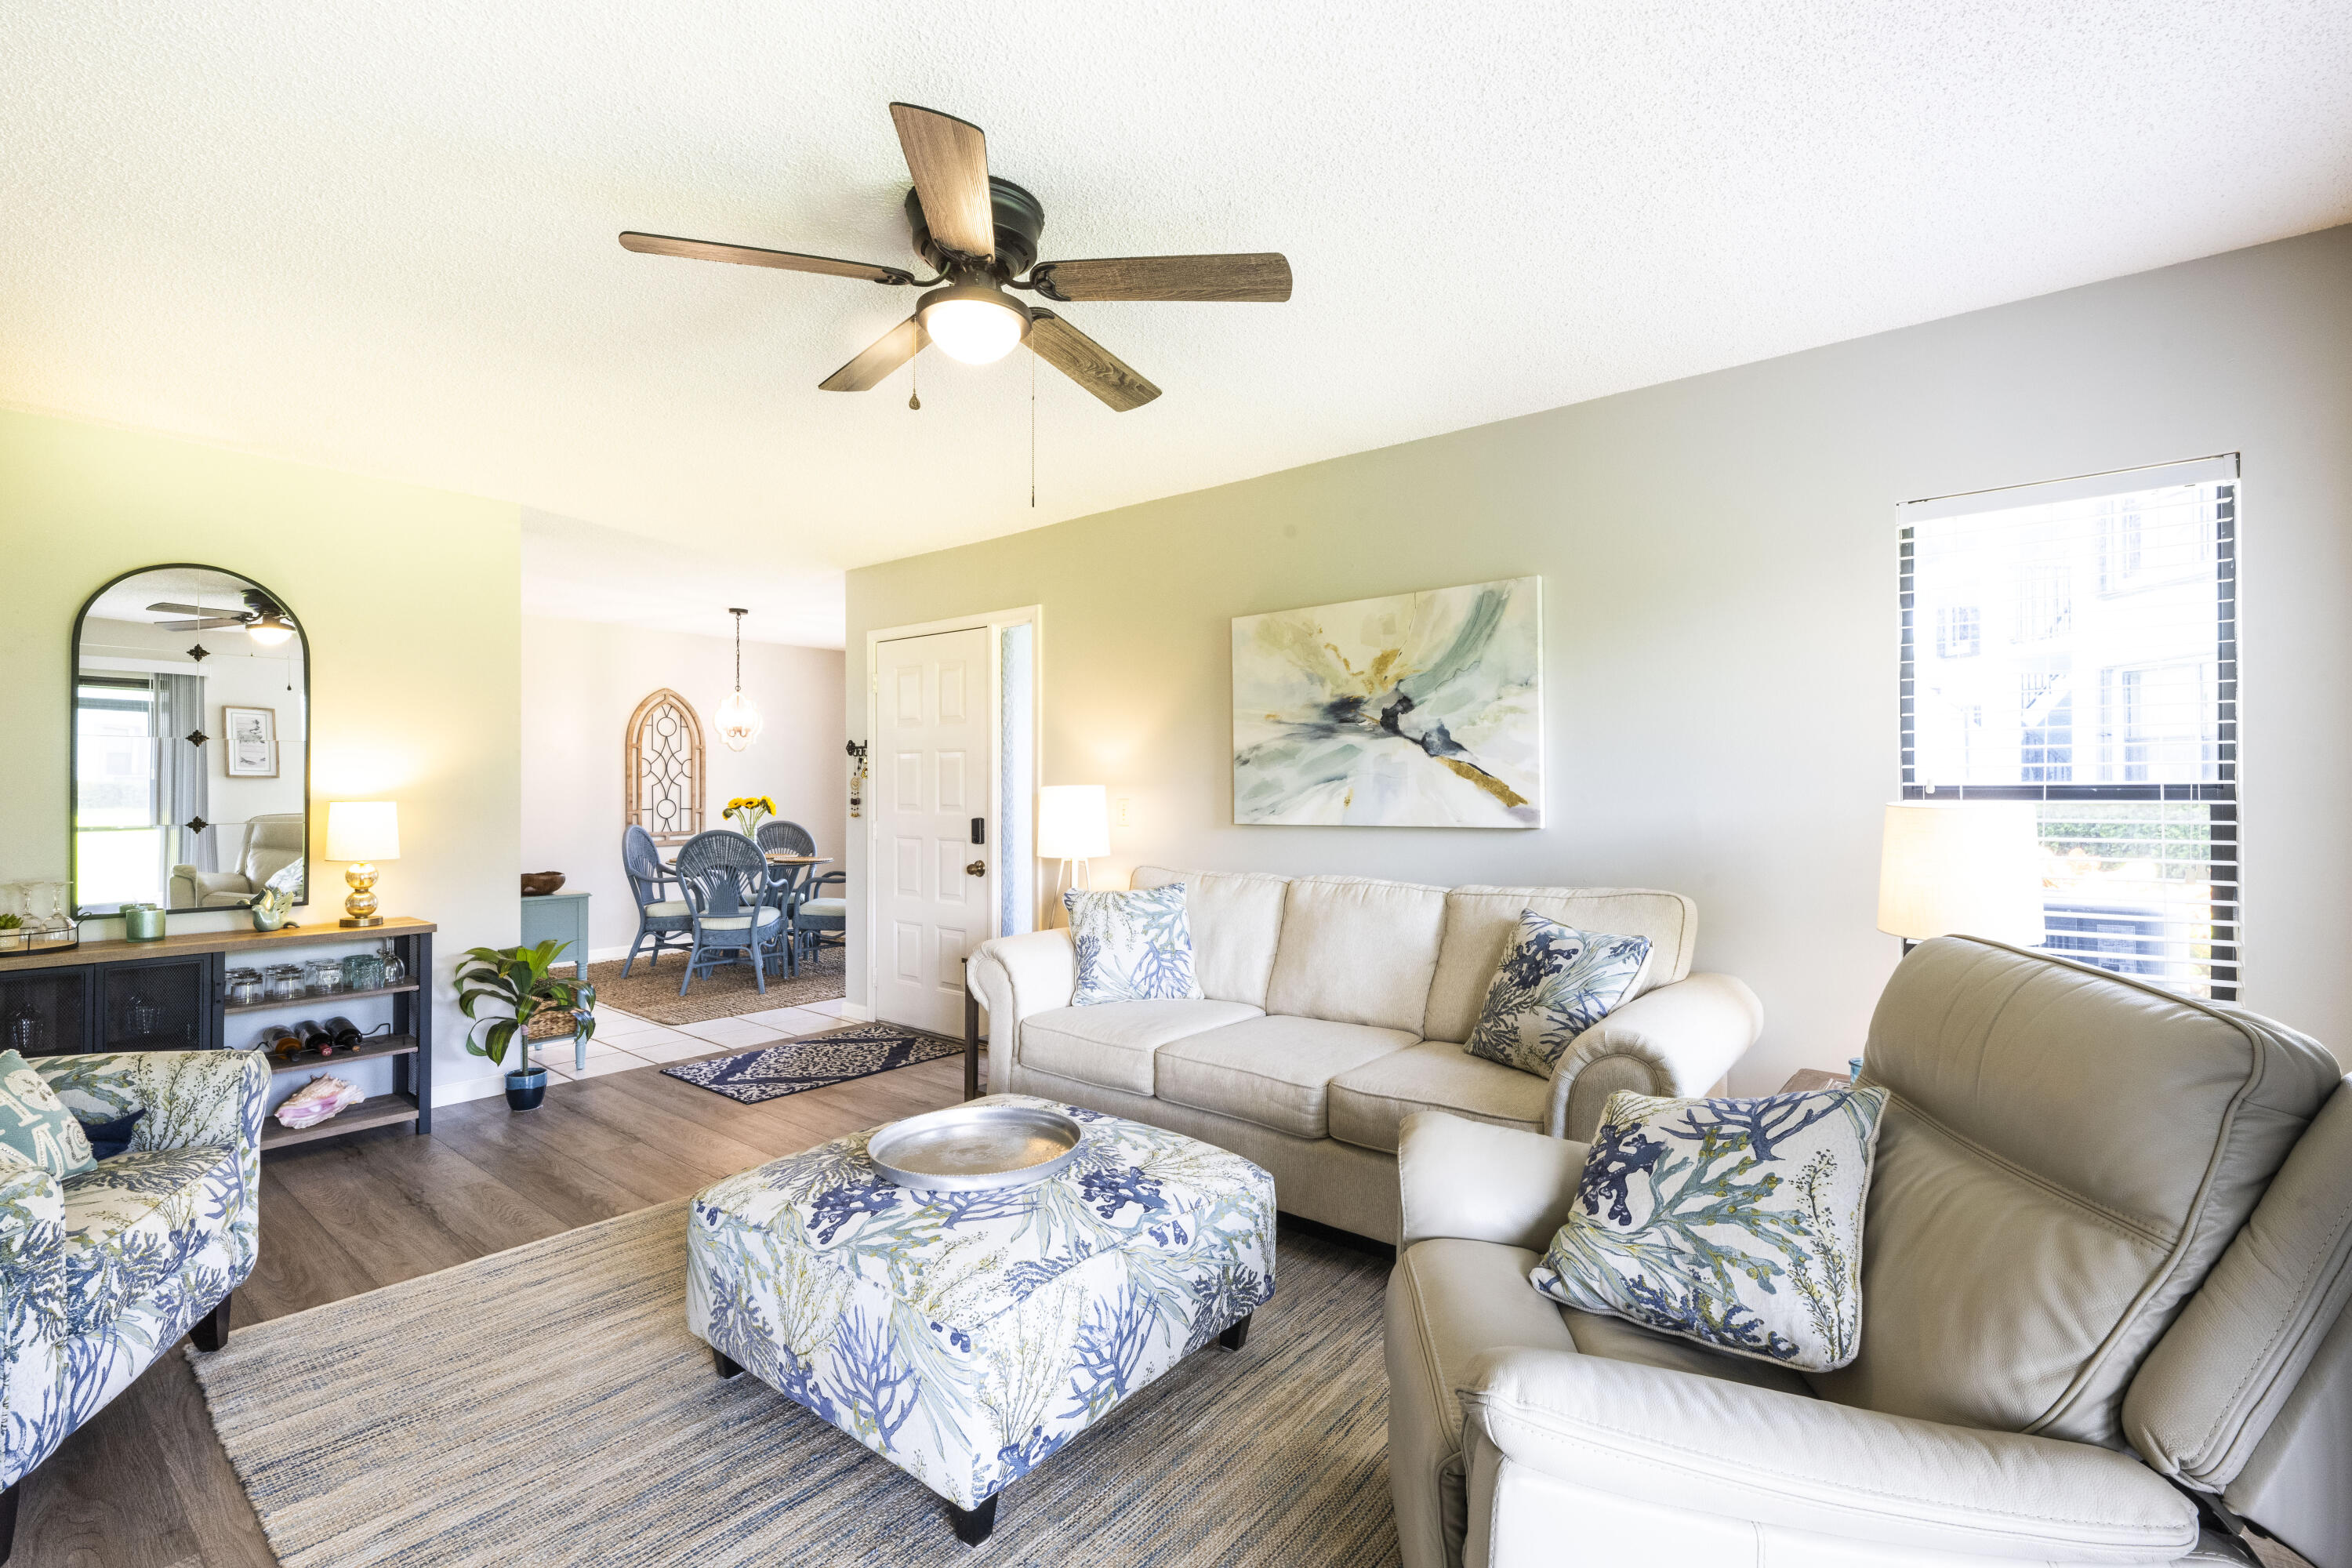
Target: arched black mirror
{"points": [[191, 744]]}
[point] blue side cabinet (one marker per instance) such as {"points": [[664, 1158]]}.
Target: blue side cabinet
{"points": [[563, 916]]}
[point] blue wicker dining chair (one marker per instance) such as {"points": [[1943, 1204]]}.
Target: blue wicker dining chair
{"points": [[664, 922], [725, 877]]}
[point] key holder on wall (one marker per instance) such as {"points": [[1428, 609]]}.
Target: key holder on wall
{"points": [[856, 749]]}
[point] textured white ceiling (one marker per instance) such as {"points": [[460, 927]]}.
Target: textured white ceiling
{"points": [[381, 237]]}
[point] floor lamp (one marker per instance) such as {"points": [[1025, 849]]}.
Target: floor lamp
{"points": [[1073, 826]]}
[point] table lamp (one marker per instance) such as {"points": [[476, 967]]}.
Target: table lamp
{"points": [[1973, 868], [362, 832], [1073, 825]]}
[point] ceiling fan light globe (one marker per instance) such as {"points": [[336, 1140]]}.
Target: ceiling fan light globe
{"points": [[270, 630], [973, 325]]}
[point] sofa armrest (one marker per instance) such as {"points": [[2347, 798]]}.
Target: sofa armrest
{"points": [[191, 1099], [1678, 1039], [1456, 1177], [1779, 1460], [32, 1257], [1015, 977], [202, 885]]}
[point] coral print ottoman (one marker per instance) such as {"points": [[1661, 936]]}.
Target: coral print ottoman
{"points": [[965, 1336]]}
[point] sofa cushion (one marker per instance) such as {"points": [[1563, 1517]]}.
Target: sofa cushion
{"points": [[1111, 1044], [1273, 1071], [1237, 918], [1481, 922], [1554, 983], [134, 1223], [1133, 945], [1370, 1102], [1356, 950], [2067, 1154]]}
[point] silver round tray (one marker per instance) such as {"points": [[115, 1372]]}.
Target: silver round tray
{"points": [[975, 1146]]}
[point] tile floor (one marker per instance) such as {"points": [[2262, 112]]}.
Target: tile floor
{"points": [[624, 1041]]}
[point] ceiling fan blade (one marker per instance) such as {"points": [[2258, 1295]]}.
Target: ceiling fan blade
{"points": [[1088, 363], [949, 158], [204, 625], [171, 609], [1264, 276], [884, 354], [753, 256]]}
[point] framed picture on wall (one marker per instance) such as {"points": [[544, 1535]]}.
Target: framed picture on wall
{"points": [[252, 751]]}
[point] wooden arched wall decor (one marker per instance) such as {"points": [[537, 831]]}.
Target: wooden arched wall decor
{"points": [[665, 783]]}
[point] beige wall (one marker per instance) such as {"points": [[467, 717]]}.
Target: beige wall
{"points": [[411, 600], [582, 679], [1718, 563]]}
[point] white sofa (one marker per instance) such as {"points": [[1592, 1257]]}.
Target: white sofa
{"points": [[1335, 1007]]}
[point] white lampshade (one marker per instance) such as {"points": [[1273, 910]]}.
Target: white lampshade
{"points": [[1073, 822], [1972, 869], [363, 831]]}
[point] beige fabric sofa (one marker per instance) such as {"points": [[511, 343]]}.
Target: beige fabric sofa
{"points": [[1335, 1007], [2105, 1262]]}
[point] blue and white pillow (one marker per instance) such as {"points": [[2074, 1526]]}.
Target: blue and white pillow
{"points": [[1555, 982], [1734, 1224], [1132, 947]]}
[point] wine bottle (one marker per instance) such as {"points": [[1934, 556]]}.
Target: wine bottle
{"points": [[278, 1040], [344, 1033], [314, 1038]]}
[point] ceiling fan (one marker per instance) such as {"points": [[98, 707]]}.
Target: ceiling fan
{"points": [[979, 234], [261, 618]]}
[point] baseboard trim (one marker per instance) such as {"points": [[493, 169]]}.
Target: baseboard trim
{"points": [[467, 1089], [855, 1014]]}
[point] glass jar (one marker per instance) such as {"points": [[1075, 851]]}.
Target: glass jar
{"points": [[395, 969], [322, 977], [244, 987], [284, 983], [363, 972]]}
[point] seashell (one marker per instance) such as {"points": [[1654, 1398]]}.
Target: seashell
{"points": [[316, 1100]]}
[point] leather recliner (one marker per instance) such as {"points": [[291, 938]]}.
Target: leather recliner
{"points": [[2106, 1256], [272, 843]]}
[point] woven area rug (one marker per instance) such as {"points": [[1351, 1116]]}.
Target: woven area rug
{"points": [[812, 1061], [548, 1406], [651, 991]]}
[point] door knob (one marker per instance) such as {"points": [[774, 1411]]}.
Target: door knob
{"points": [[977, 868]]}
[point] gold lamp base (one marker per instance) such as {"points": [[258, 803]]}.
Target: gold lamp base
{"points": [[359, 909]]}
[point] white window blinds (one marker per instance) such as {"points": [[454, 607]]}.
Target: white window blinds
{"points": [[2075, 645]]}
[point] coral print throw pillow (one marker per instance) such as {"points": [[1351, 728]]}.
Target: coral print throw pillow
{"points": [[1132, 947], [35, 1123], [1555, 982], [1733, 1223]]}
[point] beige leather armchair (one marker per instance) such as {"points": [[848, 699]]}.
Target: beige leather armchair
{"points": [[2105, 1265], [271, 843]]}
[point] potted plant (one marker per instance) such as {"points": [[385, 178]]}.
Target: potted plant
{"points": [[747, 810], [517, 979]]}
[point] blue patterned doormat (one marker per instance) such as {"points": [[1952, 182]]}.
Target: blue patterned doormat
{"points": [[813, 1061]]}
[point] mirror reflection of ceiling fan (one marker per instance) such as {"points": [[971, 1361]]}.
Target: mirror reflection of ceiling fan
{"points": [[262, 619], [979, 234]]}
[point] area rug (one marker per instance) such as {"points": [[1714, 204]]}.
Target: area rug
{"points": [[548, 1406], [651, 991], [814, 1061]]}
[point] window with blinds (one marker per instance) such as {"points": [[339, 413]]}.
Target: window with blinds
{"points": [[2075, 645]]}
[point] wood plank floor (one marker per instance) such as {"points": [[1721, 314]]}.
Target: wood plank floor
{"points": [[145, 1484]]}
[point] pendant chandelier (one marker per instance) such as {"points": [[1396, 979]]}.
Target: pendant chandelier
{"points": [[739, 721]]}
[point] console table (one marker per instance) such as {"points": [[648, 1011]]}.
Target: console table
{"points": [[172, 995]]}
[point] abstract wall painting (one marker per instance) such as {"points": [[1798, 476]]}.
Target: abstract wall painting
{"points": [[1414, 710]]}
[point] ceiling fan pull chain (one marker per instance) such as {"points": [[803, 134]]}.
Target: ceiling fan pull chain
{"points": [[1033, 429], [914, 396]]}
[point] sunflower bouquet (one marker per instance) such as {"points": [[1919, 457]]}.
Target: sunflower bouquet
{"points": [[747, 810]]}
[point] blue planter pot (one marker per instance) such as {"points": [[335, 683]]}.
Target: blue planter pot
{"points": [[525, 1090]]}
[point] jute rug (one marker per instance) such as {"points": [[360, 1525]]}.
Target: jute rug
{"points": [[547, 1406], [812, 1061], [651, 990]]}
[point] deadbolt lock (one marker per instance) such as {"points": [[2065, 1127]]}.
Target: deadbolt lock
{"points": [[977, 868]]}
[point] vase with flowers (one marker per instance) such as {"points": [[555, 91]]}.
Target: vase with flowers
{"points": [[748, 811]]}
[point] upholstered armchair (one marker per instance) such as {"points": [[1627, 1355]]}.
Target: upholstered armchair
{"points": [[271, 843], [103, 1272], [2105, 1263]]}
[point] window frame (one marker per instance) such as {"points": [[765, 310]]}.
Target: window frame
{"points": [[2219, 796]]}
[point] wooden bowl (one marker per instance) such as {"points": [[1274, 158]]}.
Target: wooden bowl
{"points": [[539, 884]]}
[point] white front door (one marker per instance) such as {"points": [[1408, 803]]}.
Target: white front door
{"points": [[936, 886]]}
